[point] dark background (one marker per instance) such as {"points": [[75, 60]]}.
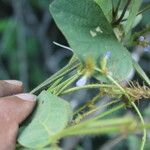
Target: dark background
{"points": [[27, 32]]}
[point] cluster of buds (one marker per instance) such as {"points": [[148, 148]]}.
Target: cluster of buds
{"points": [[89, 69], [144, 43]]}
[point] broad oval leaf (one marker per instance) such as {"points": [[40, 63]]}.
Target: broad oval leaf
{"points": [[51, 116], [90, 34]]}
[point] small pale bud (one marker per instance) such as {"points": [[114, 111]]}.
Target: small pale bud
{"points": [[82, 81], [141, 38], [107, 55], [104, 60]]}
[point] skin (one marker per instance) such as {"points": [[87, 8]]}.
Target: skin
{"points": [[14, 109]]}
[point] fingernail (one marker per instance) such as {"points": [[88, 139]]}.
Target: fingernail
{"points": [[14, 82], [26, 97]]}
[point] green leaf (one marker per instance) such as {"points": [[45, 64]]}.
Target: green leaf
{"points": [[51, 116], [78, 21], [46, 148], [106, 7], [141, 72], [136, 20], [135, 5]]}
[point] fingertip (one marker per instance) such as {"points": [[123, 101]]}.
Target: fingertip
{"points": [[16, 108], [14, 82], [26, 96], [10, 87], [27, 104]]}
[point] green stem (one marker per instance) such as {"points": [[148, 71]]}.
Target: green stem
{"points": [[136, 109], [97, 108], [81, 124], [100, 107], [115, 11], [92, 131], [90, 86], [144, 9], [112, 80], [140, 71], [61, 87], [92, 125], [93, 100], [68, 68], [143, 123], [53, 86], [122, 14], [133, 41], [110, 111], [111, 122]]}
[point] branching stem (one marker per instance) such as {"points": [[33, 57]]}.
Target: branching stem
{"points": [[122, 14], [136, 109]]}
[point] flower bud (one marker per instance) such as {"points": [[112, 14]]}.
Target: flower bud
{"points": [[82, 81], [104, 60], [141, 38]]}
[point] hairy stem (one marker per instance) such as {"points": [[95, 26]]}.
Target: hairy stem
{"points": [[68, 68], [136, 109], [90, 86]]}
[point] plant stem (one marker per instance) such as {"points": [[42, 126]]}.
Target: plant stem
{"points": [[112, 80], [100, 107], [54, 84], [81, 124], [92, 131], [136, 109], [95, 125], [115, 11], [93, 100], [136, 35], [90, 86], [68, 68], [141, 72], [110, 111], [61, 87], [144, 9], [123, 13], [143, 123]]}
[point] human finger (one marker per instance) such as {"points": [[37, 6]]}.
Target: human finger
{"points": [[17, 107], [13, 110], [10, 87]]}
